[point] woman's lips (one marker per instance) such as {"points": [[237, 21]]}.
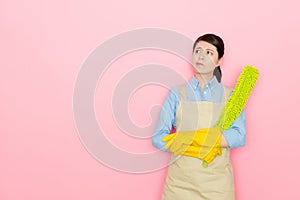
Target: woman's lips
{"points": [[199, 64]]}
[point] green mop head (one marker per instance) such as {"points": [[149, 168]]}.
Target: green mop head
{"points": [[239, 97]]}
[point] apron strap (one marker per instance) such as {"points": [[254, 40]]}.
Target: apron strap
{"points": [[226, 93], [183, 92]]}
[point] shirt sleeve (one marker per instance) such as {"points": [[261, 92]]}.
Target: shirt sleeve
{"points": [[236, 134], [166, 119]]}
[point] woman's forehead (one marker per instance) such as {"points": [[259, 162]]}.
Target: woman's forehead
{"points": [[205, 45]]}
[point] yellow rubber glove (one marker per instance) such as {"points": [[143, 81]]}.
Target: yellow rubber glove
{"points": [[203, 143], [207, 154], [179, 141]]}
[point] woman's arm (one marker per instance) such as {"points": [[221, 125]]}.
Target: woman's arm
{"points": [[166, 119], [235, 136]]}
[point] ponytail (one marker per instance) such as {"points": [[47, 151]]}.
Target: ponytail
{"points": [[218, 73]]}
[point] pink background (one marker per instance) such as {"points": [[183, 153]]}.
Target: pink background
{"points": [[43, 45]]}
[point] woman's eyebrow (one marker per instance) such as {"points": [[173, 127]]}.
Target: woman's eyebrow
{"points": [[205, 49], [210, 49]]}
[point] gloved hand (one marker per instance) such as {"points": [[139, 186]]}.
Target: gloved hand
{"points": [[207, 154], [179, 141], [203, 143]]}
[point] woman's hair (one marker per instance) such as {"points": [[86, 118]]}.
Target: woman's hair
{"points": [[219, 44]]}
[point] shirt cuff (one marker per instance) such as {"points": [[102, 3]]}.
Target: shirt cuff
{"points": [[233, 138], [156, 142]]}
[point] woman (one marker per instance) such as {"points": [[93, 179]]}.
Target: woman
{"points": [[197, 106]]}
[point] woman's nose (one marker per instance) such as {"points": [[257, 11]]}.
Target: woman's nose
{"points": [[201, 57]]}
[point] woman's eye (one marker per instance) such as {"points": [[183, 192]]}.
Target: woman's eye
{"points": [[209, 53]]}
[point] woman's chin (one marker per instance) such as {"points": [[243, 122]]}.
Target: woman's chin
{"points": [[199, 70]]}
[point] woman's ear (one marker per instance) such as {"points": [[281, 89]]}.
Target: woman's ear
{"points": [[220, 61]]}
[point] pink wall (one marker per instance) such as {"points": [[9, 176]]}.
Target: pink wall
{"points": [[42, 48]]}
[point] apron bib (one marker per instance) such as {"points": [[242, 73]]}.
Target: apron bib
{"points": [[186, 179]]}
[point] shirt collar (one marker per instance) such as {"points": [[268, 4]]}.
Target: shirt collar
{"points": [[195, 83]]}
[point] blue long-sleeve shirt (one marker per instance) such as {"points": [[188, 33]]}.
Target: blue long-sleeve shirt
{"points": [[213, 92]]}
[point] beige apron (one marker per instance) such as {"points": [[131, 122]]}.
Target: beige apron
{"points": [[186, 178]]}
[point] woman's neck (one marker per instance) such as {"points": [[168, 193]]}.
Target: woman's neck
{"points": [[204, 79]]}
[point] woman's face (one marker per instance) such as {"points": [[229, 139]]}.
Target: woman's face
{"points": [[205, 58]]}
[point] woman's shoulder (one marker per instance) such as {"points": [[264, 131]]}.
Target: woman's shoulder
{"points": [[227, 89], [175, 90]]}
